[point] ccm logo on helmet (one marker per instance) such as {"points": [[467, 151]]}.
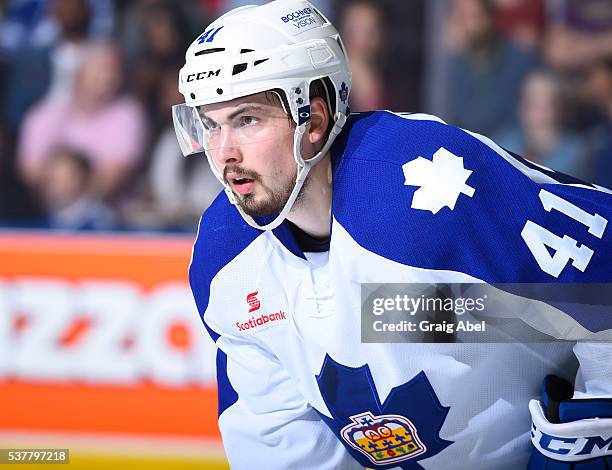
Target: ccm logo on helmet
{"points": [[202, 75], [296, 15]]}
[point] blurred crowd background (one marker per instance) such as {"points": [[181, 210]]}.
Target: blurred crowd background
{"points": [[86, 137]]}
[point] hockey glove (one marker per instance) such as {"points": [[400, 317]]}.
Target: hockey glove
{"points": [[569, 433]]}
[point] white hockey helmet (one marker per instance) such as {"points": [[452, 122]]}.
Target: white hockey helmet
{"points": [[284, 45]]}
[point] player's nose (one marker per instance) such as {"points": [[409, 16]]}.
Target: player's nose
{"points": [[229, 152], [229, 155]]}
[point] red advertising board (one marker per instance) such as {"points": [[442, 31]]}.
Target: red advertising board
{"points": [[100, 337]]}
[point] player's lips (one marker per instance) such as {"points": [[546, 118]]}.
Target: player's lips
{"points": [[240, 184]]}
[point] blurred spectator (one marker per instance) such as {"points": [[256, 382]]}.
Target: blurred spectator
{"points": [[74, 16], [16, 204], [212, 8], [362, 30], [182, 188], [67, 192], [580, 32], [190, 17], [541, 136], [167, 34], [19, 25], [33, 23], [522, 20], [384, 75], [599, 91], [108, 127], [49, 63], [486, 73]]}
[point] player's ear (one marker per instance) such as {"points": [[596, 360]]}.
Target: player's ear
{"points": [[319, 120]]}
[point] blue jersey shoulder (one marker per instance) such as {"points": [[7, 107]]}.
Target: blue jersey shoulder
{"points": [[420, 192], [222, 235], [384, 135]]}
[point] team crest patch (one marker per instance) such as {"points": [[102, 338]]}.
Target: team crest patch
{"points": [[383, 439], [399, 431]]}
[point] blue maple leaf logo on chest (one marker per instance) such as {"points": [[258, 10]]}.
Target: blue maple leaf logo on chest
{"points": [[397, 433]]}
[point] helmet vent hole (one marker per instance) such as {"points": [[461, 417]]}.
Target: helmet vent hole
{"points": [[192, 96], [244, 51], [238, 68], [219, 91], [210, 51], [260, 61]]}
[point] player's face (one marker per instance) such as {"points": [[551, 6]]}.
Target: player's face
{"points": [[251, 143]]}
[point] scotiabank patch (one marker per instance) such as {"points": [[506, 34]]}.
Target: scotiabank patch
{"points": [[261, 322]]}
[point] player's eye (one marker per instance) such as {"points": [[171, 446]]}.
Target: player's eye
{"points": [[244, 121]]}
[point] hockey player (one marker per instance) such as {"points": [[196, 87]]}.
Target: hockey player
{"points": [[320, 202]]}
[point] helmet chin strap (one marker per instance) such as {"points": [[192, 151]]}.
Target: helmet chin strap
{"points": [[304, 167]]}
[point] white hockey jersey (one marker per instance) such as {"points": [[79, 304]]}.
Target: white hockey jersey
{"points": [[414, 200]]}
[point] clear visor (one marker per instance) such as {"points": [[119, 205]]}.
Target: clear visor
{"points": [[248, 123]]}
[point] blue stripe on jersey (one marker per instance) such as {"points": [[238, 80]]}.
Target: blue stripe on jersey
{"points": [[227, 394], [222, 235], [481, 236], [285, 236]]}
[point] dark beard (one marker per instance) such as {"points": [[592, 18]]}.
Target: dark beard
{"points": [[273, 204], [276, 200]]}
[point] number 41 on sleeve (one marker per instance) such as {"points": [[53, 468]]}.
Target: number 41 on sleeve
{"points": [[565, 248]]}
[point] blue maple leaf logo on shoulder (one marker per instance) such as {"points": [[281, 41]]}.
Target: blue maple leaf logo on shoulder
{"points": [[397, 433]]}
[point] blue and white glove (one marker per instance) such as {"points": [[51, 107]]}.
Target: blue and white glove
{"points": [[570, 433]]}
